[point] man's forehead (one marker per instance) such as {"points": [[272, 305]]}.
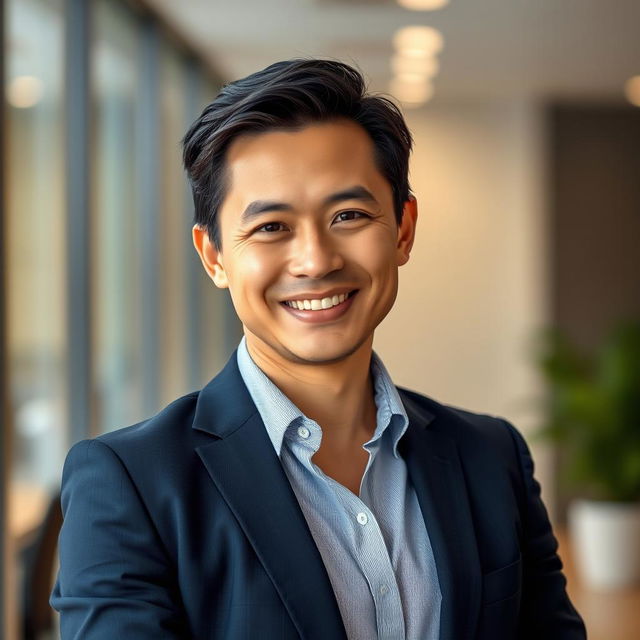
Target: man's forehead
{"points": [[314, 139], [316, 161]]}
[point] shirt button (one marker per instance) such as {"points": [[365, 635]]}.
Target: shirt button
{"points": [[362, 518], [384, 589], [303, 432]]}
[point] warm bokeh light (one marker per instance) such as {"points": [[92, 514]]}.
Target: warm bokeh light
{"points": [[417, 40], [24, 91], [427, 66], [411, 78], [632, 90], [423, 5], [411, 92]]}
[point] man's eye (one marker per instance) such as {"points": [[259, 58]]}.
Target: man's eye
{"points": [[345, 216], [271, 227]]}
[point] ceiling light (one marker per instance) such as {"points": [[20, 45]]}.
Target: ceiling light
{"points": [[427, 66], [632, 90], [418, 40], [422, 5], [24, 91], [411, 93], [411, 78]]}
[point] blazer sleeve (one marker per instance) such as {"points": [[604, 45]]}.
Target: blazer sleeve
{"points": [[546, 611], [114, 580]]}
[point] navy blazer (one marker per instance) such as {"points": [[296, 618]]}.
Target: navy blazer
{"points": [[185, 526]]}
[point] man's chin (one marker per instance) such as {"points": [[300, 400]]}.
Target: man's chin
{"points": [[305, 351], [321, 355]]}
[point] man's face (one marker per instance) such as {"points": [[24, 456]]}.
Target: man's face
{"points": [[310, 245]]}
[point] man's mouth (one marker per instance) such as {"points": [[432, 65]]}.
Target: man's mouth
{"points": [[318, 304]]}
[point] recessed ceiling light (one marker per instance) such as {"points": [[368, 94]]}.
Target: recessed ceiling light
{"points": [[632, 90], [418, 40], [422, 5], [24, 91]]}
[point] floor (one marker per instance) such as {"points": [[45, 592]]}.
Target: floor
{"points": [[611, 615]]}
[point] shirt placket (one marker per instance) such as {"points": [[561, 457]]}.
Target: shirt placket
{"points": [[375, 563], [372, 556]]}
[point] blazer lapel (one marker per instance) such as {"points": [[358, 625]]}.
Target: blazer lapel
{"points": [[435, 470], [246, 470]]}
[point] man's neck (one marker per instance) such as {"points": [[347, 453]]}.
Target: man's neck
{"points": [[337, 395]]}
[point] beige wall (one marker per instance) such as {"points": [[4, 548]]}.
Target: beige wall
{"points": [[475, 288]]}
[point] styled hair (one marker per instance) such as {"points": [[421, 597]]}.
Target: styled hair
{"points": [[291, 95]]}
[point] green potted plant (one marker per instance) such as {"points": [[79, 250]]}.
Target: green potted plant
{"points": [[593, 414]]}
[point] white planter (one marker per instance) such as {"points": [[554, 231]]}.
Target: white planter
{"points": [[605, 539]]}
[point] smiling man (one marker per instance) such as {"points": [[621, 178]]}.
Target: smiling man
{"points": [[301, 494]]}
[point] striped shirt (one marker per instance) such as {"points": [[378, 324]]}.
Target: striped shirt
{"points": [[375, 546]]}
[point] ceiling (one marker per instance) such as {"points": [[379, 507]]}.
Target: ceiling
{"points": [[493, 48]]}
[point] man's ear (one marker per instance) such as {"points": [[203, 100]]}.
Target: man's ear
{"points": [[210, 257], [407, 230]]}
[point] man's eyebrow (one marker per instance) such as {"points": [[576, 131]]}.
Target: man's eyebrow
{"points": [[257, 207], [356, 192]]}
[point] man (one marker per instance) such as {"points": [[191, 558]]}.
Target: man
{"points": [[300, 494]]}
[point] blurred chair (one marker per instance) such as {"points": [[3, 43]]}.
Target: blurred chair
{"points": [[38, 560]]}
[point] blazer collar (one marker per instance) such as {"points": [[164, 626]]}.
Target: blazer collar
{"points": [[435, 469], [224, 404], [248, 474]]}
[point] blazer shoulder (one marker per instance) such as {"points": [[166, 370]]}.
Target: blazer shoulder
{"points": [[173, 434], [168, 427], [154, 453], [472, 431]]}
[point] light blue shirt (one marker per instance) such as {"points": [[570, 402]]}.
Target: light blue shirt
{"points": [[375, 546]]}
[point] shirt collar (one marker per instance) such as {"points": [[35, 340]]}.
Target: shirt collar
{"points": [[278, 412]]}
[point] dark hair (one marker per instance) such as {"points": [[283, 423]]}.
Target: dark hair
{"points": [[290, 95]]}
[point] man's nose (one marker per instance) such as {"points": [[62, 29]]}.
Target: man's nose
{"points": [[314, 255]]}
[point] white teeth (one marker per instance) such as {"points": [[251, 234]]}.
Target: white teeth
{"points": [[317, 304]]}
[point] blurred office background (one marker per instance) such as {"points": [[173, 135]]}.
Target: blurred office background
{"points": [[526, 168]]}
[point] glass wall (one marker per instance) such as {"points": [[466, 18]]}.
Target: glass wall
{"points": [[115, 239], [36, 243], [35, 205], [158, 327]]}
